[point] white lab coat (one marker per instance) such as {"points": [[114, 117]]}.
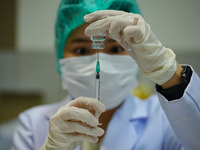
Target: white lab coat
{"points": [[136, 125]]}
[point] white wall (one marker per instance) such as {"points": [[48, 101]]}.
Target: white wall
{"points": [[35, 24], [33, 72], [175, 22]]}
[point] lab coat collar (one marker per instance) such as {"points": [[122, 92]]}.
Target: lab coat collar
{"points": [[132, 109]]}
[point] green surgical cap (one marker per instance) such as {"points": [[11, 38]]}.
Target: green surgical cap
{"points": [[71, 13]]}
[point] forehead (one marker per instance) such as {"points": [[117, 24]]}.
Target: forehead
{"points": [[79, 33]]}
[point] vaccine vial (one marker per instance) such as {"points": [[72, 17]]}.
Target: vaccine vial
{"points": [[98, 41]]}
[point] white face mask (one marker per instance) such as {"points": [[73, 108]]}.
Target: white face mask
{"points": [[118, 75]]}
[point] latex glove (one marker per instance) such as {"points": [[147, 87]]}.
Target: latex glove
{"points": [[135, 36], [74, 123]]}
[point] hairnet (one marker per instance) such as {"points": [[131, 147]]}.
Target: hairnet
{"points": [[71, 13]]}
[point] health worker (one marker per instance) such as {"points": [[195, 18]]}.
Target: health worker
{"points": [[167, 120]]}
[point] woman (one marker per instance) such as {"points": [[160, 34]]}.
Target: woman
{"points": [[127, 122]]}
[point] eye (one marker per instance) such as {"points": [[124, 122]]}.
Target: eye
{"points": [[81, 51], [116, 50]]}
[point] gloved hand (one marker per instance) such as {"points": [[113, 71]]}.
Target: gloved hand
{"points": [[135, 36], [74, 123]]}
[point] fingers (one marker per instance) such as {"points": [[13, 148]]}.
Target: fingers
{"points": [[123, 27], [74, 123], [66, 127], [81, 137], [113, 25], [97, 15], [76, 114], [77, 124], [99, 26], [79, 110], [83, 129], [118, 27], [78, 127], [133, 34], [87, 103], [68, 140]]}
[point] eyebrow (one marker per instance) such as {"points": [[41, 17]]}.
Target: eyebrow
{"points": [[80, 40]]}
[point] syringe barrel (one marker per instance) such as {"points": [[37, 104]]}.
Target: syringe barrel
{"points": [[97, 86]]}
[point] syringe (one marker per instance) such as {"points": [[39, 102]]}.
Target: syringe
{"points": [[97, 44], [97, 82]]}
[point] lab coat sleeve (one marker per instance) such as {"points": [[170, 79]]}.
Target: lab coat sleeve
{"points": [[184, 114], [23, 137]]}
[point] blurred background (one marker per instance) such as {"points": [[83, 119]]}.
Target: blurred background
{"points": [[28, 74]]}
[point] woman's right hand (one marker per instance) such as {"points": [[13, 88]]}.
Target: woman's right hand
{"points": [[134, 34], [73, 123]]}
